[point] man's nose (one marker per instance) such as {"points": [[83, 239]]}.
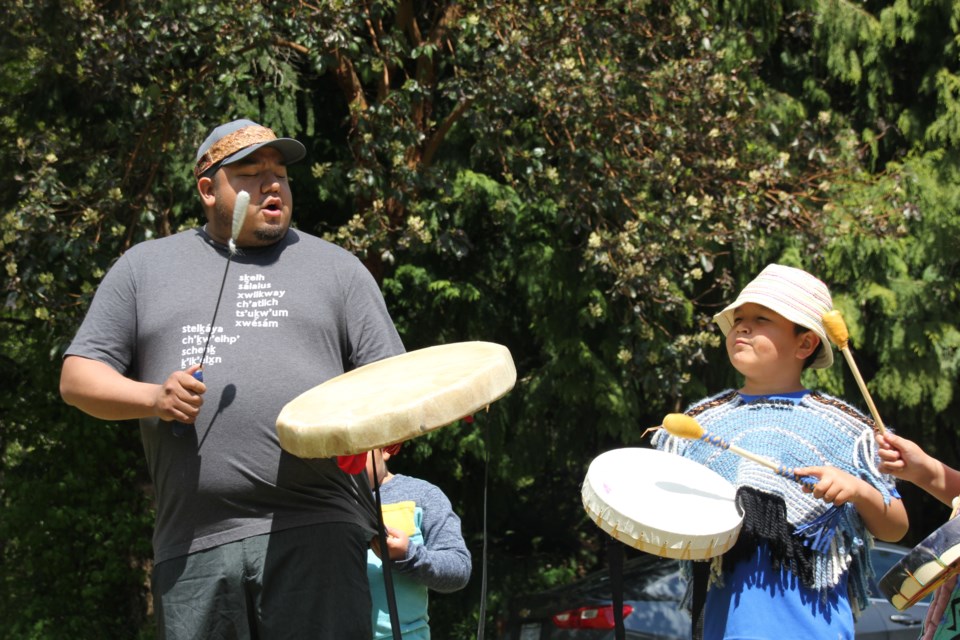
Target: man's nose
{"points": [[271, 184]]}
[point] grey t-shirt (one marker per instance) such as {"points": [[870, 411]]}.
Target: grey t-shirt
{"points": [[292, 315]]}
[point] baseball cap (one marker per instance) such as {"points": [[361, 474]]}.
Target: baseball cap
{"points": [[794, 294], [235, 140]]}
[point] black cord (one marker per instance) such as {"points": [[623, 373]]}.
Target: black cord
{"points": [[385, 556], [483, 567], [179, 428], [215, 309]]}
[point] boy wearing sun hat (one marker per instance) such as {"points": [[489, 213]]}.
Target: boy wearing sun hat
{"points": [[800, 565]]}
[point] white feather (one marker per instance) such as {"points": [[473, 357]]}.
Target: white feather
{"points": [[239, 215]]}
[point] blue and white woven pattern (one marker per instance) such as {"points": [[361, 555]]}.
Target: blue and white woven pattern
{"points": [[794, 294], [818, 431]]}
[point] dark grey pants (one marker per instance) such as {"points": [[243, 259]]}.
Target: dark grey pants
{"points": [[305, 582]]}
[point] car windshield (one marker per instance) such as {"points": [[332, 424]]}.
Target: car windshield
{"points": [[646, 577]]}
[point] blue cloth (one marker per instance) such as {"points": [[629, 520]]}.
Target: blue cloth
{"points": [[757, 602]]}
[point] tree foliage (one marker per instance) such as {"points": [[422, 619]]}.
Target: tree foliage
{"points": [[586, 183]]}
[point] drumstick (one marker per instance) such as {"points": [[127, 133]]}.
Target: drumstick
{"points": [[837, 332], [239, 215], [683, 426]]}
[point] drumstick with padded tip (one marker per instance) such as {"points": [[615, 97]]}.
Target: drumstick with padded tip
{"points": [[818, 533], [239, 216], [684, 426], [837, 332]]}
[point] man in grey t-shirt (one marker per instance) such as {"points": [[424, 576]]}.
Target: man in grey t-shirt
{"points": [[246, 535]]}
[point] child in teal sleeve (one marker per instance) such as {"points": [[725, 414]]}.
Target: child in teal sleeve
{"points": [[426, 548]]}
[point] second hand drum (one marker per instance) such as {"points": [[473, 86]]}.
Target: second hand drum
{"points": [[662, 503], [924, 568], [395, 399]]}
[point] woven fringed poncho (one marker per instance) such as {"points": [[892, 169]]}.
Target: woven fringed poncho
{"points": [[813, 539]]}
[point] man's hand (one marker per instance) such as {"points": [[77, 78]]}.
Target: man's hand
{"points": [[180, 397]]}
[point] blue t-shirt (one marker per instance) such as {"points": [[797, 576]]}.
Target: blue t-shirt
{"points": [[758, 602], [794, 396]]}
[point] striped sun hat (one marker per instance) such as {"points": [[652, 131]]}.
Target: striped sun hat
{"points": [[794, 294]]}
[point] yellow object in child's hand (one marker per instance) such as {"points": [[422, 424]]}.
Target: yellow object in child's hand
{"points": [[399, 515]]}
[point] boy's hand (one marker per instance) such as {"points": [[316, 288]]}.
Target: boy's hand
{"points": [[834, 485], [397, 543], [887, 520]]}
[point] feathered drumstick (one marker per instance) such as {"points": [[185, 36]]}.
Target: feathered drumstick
{"points": [[239, 216], [837, 332]]}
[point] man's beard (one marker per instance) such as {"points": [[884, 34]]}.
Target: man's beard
{"points": [[270, 234], [264, 236]]}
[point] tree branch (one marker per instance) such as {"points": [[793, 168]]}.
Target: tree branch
{"points": [[433, 143], [349, 83]]}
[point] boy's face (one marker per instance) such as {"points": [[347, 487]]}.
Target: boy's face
{"points": [[764, 346], [378, 458]]}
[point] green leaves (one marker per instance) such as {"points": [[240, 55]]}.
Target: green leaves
{"points": [[586, 184]]}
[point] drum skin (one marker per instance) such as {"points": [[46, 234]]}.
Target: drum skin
{"points": [[395, 399], [924, 568], [662, 503]]}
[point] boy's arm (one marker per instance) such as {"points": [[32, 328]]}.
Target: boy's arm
{"points": [[442, 562], [886, 521], [906, 460]]}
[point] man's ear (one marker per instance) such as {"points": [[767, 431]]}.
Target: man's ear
{"points": [[205, 188]]}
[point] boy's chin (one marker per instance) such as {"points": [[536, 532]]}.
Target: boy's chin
{"points": [[743, 365], [750, 370]]}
